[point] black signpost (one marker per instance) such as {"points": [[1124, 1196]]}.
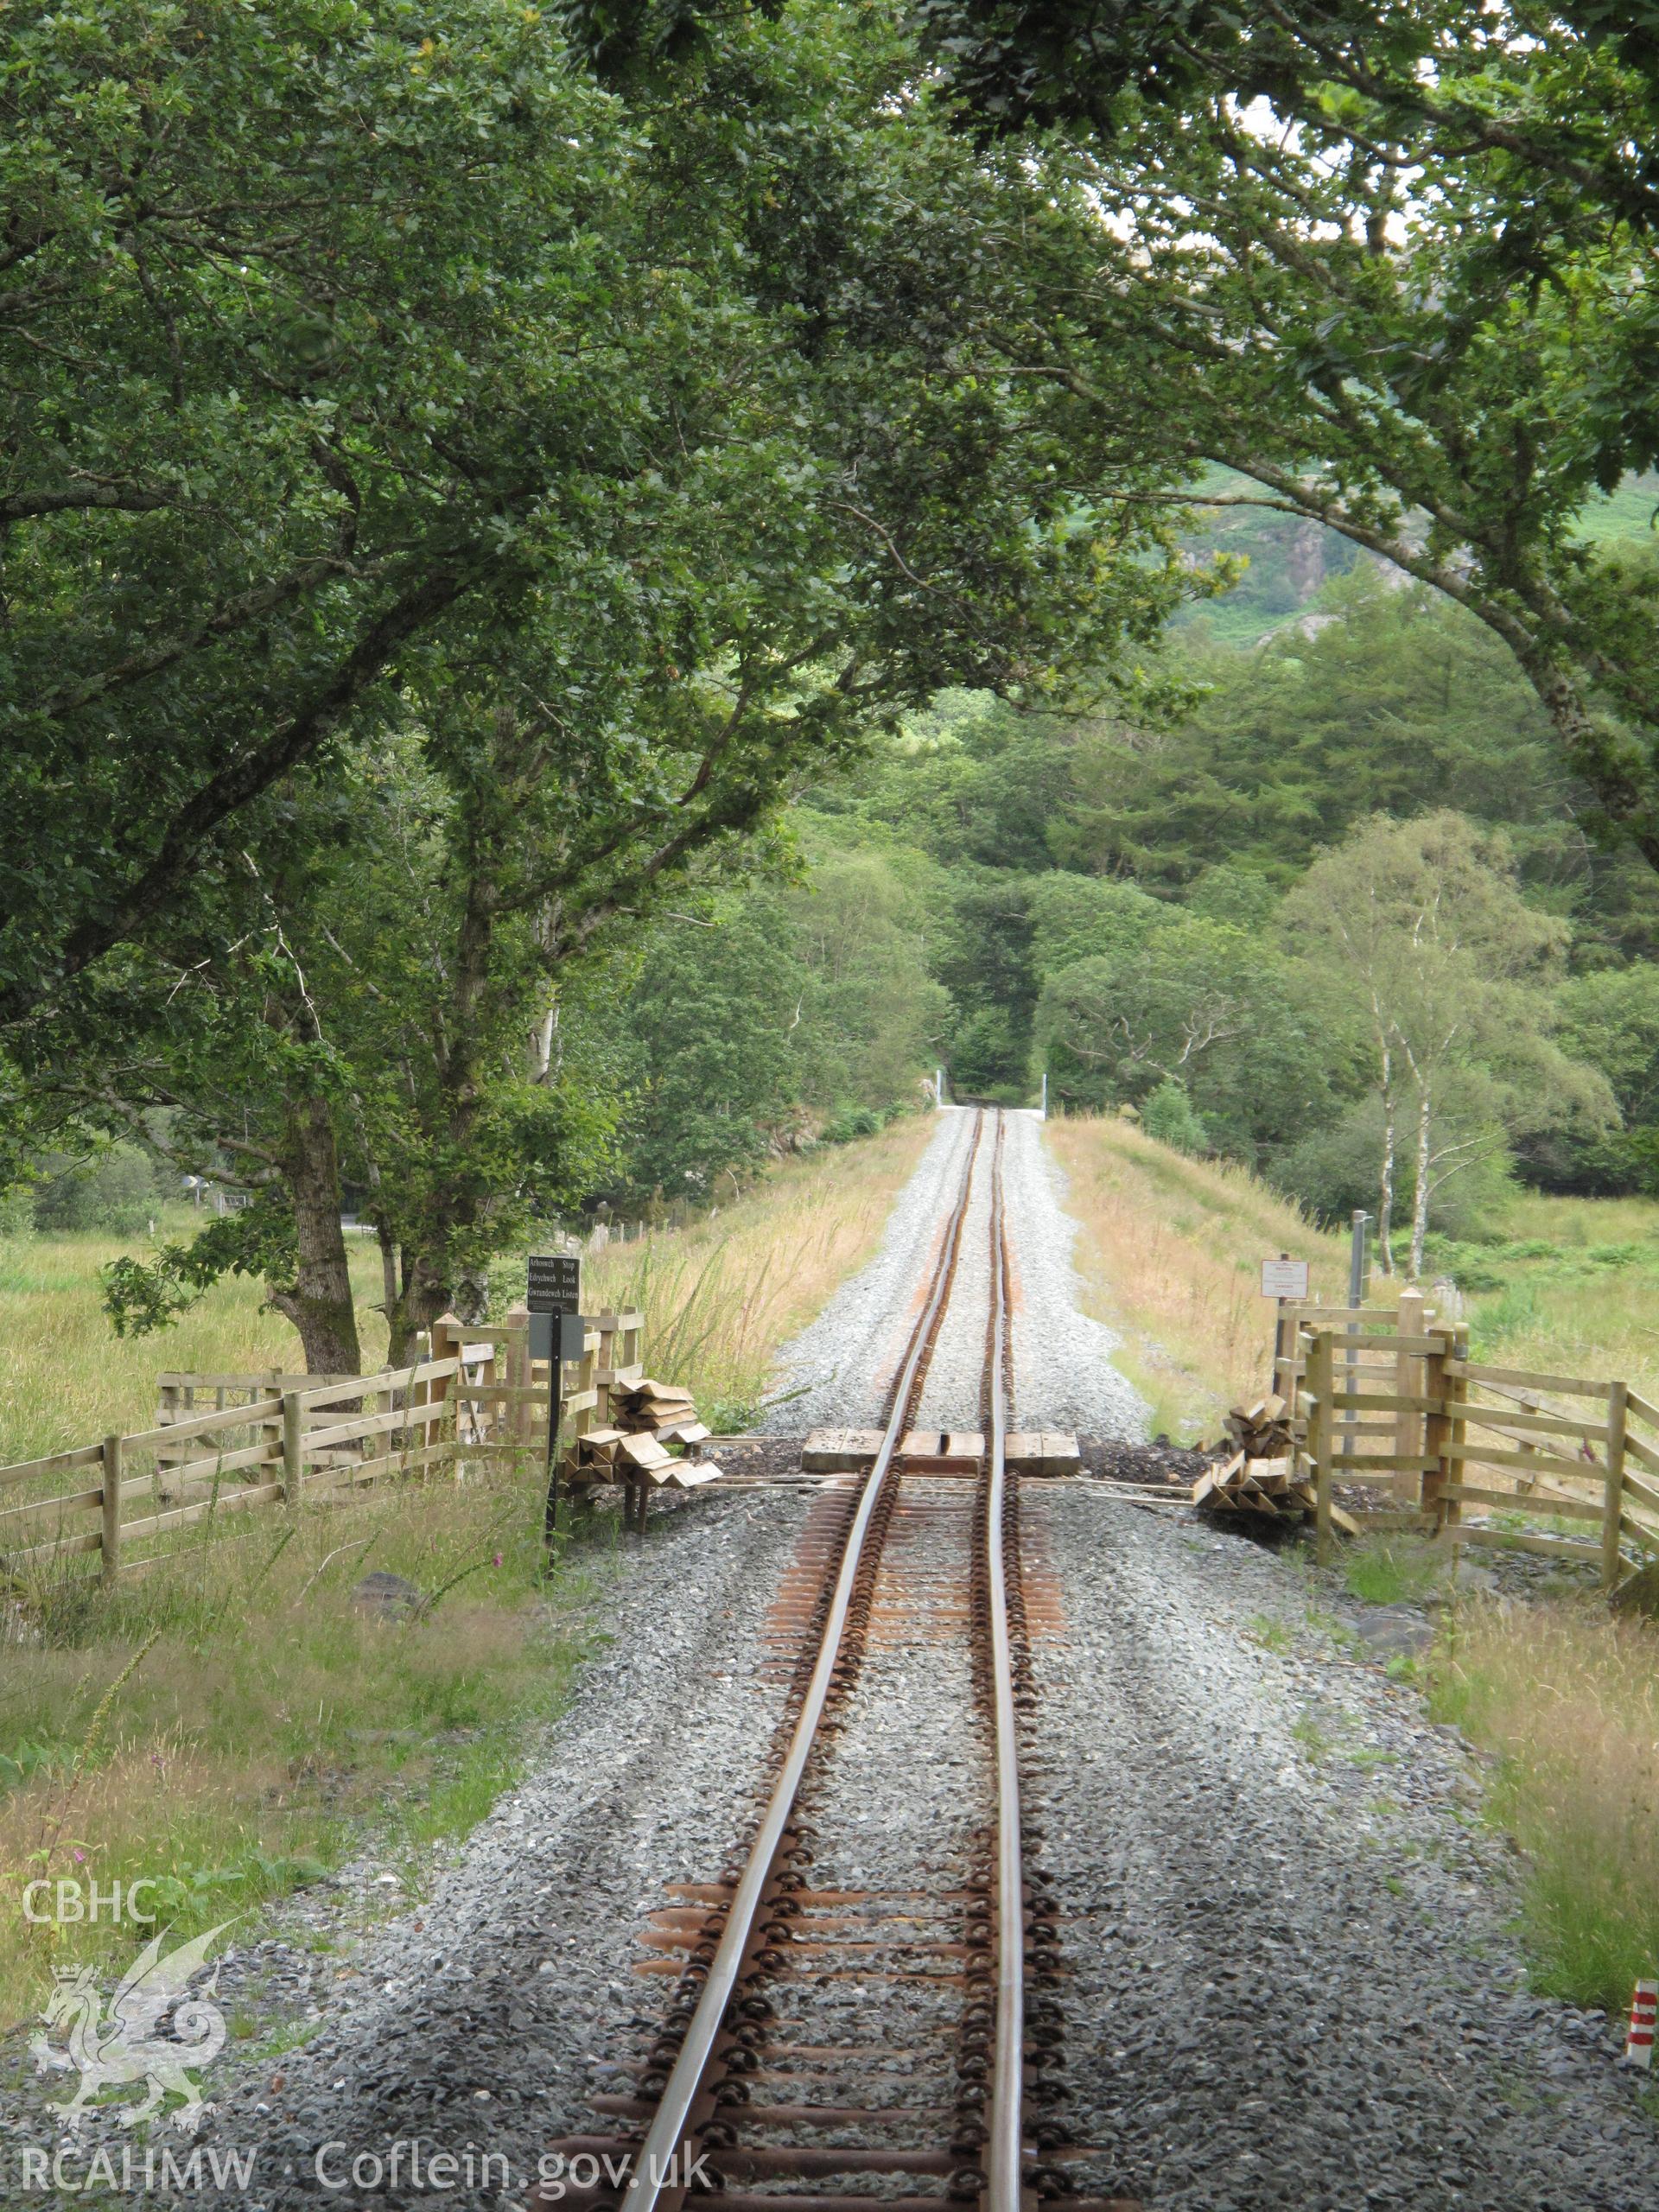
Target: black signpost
{"points": [[553, 1294]]}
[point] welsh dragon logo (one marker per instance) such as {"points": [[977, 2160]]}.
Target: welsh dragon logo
{"points": [[155, 2031]]}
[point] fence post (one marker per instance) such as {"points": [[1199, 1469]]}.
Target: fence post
{"points": [[520, 1426], [448, 1333], [418, 1353], [1287, 1382], [607, 1361], [110, 1532], [1618, 1392], [587, 1380], [1436, 1429], [1321, 1366], [1408, 1383], [1457, 1428], [293, 1448], [1443, 1431], [1284, 1346], [165, 1413], [271, 1435]]}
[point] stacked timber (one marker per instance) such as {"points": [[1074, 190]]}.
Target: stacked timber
{"points": [[1261, 1431], [660, 1409], [617, 1455], [1240, 1485], [1258, 1473]]}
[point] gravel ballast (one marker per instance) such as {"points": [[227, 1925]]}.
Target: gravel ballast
{"points": [[1292, 1979], [476, 2023], [1063, 1377]]}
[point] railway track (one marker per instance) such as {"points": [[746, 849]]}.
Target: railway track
{"points": [[834, 2043]]}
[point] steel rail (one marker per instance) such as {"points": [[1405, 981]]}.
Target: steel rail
{"points": [[1005, 2148], [656, 2167]]}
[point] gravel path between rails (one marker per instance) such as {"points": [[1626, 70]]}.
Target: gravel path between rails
{"points": [[1292, 1982], [1064, 1377], [892, 1804]]}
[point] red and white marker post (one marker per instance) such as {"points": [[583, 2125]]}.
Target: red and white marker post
{"points": [[1645, 2011]]}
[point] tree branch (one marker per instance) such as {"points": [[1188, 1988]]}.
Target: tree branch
{"points": [[20, 506], [145, 893]]}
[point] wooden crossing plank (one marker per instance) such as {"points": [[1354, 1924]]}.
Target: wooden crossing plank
{"points": [[941, 1451], [1030, 1452], [1043, 1451], [840, 1450]]}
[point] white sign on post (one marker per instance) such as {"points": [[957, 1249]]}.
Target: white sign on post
{"points": [[1284, 1278]]}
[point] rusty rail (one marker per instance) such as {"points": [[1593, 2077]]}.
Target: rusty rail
{"points": [[687, 2100], [1005, 2150]]}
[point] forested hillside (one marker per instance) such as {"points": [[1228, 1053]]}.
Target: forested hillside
{"points": [[1160, 899]]}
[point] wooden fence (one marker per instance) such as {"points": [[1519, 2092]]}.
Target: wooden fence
{"points": [[1554, 1463], [225, 1443]]}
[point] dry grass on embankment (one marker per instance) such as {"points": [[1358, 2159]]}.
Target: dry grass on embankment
{"points": [[721, 1296], [1568, 1699], [1564, 1696], [230, 1725], [1169, 1250]]}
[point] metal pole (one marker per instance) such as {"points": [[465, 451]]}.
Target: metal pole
{"points": [[1045, 1094], [938, 1088], [555, 1422], [1357, 1259]]}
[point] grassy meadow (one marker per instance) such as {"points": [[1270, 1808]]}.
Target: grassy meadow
{"points": [[1569, 1286], [226, 1726], [231, 1725], [66, 1378]]}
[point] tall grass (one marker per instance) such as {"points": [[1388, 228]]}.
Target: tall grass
{"points": [[67, 1379], [223, 1725], [1170, 1251], [1568, 1699], [1576, 1290]]}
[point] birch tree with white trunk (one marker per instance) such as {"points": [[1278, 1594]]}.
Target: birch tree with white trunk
{"points": [[1425, 923]]}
